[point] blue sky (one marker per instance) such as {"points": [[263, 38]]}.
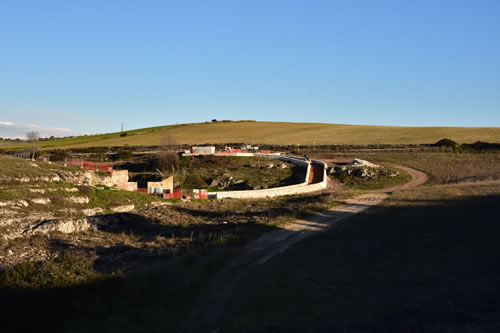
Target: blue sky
{"points": [[84, 66]]}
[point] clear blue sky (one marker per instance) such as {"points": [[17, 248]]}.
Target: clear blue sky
{"points": [[88, 65]]}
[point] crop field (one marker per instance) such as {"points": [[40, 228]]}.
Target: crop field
{"points": [[281, 133]]}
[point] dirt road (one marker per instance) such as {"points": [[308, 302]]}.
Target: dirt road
{"points": [[212, 303]]}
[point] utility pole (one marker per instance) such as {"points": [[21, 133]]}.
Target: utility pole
{"points": [[122, 125]]}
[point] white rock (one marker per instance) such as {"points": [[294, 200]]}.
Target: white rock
{"points": [[66, 226], [41, 201], [159, 203], [93, 211], [22, 203], [123, 209], [34, 190], [34, 165], [72, 189], [359, 162], [75, 199]]}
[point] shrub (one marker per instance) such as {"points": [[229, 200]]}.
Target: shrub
{"points": [[194, 181], [123, 155], [167, 161], [85, 189], [59, 155], [446, 143], [479, 145], [68, 269], [123, 134]]}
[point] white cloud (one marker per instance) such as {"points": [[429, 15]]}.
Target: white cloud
{"points": [[9, 130]]}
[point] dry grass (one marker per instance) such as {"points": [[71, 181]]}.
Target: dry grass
{"points": [[282, 133], [442, 168]]}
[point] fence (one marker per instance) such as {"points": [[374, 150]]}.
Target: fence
{"points": [[25, 155]]}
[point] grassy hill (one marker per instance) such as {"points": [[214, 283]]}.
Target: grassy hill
{"points": [[281, 133]]}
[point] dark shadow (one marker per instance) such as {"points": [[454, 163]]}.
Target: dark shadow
{"points": [[425, 267], [408, 266], [298, 176]]}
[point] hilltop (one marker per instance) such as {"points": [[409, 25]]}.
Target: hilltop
{"points": [[284, 133]]}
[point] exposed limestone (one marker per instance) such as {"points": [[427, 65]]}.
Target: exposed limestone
{"points": [[81, 200], [61, 225], [159, 203], [40, 201], [35, 190], [123, 209], [92, 211], [358, 162]]}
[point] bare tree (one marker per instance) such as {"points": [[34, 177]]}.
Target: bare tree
{"points": [[168, 142], [168, 161], [33, 136], [168, 158]]}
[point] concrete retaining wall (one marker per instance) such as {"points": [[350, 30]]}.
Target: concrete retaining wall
{"points": [[284, 190]]}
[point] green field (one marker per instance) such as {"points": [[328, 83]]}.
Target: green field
{"points": [[283, 133]]}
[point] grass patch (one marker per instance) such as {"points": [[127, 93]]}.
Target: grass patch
{"points": [[66, 270], [198, 172]]}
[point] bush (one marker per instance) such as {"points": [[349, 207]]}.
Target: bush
{"points": [[194, 181], [123, 134], [480, 146], [68, 269], [123, 155], [85, 189], [167, 161], [446, 143], [59, 155]]}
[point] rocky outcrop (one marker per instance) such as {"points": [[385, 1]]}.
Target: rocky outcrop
{"points": [[363, 163], [65, 226], [123, 208], [60, 176], [75, 199], [92, 211], [40, 201], [12, 203], [71, 225]]}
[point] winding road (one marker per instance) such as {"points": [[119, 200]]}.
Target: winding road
{"points": [[212, 303]]}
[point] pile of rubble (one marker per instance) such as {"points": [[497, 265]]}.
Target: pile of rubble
{"points": [[361, 168]]}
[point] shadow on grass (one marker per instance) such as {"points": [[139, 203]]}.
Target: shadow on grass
{"points": [[419, 266], [401, 268]]}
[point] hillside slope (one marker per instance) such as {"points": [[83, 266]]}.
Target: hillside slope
{"points": [[282, 133]]}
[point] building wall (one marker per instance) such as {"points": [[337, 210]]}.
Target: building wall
{"points": [[166, 184], [204, 150], [117, 178]]}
